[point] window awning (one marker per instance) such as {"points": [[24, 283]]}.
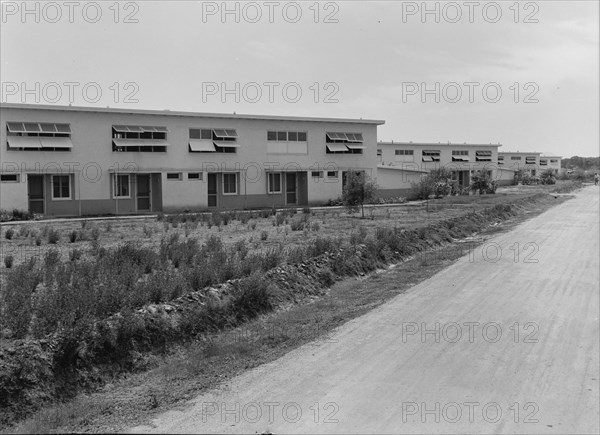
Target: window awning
{"points": [[140, 142], [483, 153], [427, 159], [56, 142], [226, 144], [35, 127], [356, 146], [200, 146], [224, 133], [336, 147], [337, 136], [460, 159], [138, 129], [31, 142], [354, 137]]}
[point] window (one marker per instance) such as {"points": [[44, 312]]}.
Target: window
{"points": [[136, 138], [218, 140], [543, 162], [286, 142], [229, 184], [530, 160], [286, 136], [379, 152], [195, 176], [460, 155], [61, 187], [404, 152], [9, 178], [431, 155], [515, 158], [332, 174], [553, 161], [38, 136], [274, 183], [173, 175], [501, 158], [121, 186], [483, 156], [317, 174], [344, 143]]}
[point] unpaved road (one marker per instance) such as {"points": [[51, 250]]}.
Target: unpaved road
{"points": [[511, 345]]}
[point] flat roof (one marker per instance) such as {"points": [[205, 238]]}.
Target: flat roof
{"points": [[181, 113], [519, 152], [438, 144]]}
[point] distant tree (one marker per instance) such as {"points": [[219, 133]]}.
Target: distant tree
{"points": [[358, 190]]}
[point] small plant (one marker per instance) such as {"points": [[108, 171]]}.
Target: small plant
{"points": [[315, 226], [38, 240], [252, 225], [264, 235], [306, 210], [53, 236], [24, 231], [9, 234], [280, 219], [95, 233], [8, 261], [297, 225], [108, 227], [75, 254], [73, 236], [84, 224], [147, 231]]}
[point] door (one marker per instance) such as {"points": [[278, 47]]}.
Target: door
{"points": [[143, 193], [35, 192], [290, 188], [212, 190]]}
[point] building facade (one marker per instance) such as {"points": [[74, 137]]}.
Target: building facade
{"points": [[401, 164], [73, 161]]}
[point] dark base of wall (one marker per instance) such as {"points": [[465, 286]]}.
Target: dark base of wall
{"points": [[390, 193]]}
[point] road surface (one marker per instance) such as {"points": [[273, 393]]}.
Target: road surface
{"points": [[499, 342]]}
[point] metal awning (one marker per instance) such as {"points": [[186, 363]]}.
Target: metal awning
{"points": [[56, 142], [202, 146], [29, 142], [427, 159], [356, 146], [460, 159], [140, 142], [483, 153], [226, 144], [337, 147]]}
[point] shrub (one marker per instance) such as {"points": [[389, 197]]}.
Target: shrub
{"points": [[8, 261], [264, 235], [73, 236], [251, 298], [548, 177], [306, 210], [297, 225], [252, 225], [147, 231], [108, 227], [9, 234], [24, 230], [217, 218], [38, 241], [482, 182], [75, 254], [53, 236], [438, 182], [279, 219], [315, 226]]}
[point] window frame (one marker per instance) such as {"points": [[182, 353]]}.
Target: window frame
{"points": [[60, 187], [16, 180], [270, 178], [116, 185], [337, 176], [169, 176], [224, 184], [197, 176]]}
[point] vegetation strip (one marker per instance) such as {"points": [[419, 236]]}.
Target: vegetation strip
{"points": [[83, 344]]}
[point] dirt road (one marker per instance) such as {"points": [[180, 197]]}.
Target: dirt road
{"points": [[506, 340]]}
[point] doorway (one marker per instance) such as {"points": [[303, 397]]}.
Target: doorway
{"points": [[212, 190], [35, 193], [291, 188], [143, 193]]}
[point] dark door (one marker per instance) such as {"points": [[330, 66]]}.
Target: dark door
{"points": [[290, 188], [35, 191], [212, 190], [143, 192]]}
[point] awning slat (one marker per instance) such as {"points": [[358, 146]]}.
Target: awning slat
{"points": [[199, 146], [337, 147]]}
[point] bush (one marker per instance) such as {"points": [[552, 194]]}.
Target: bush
{"points": [[439, 182], [53, 236], [9, 234], [297, 225], [264, 235], [548, 177], [73, 236], [8, 261], [483, 183]]}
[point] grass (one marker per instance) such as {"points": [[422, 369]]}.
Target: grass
{"points": [[76, 300], [214, 357]]}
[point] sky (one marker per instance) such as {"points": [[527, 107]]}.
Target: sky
{"points": [[522, 74]]}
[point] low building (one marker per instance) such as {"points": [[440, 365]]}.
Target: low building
{"points": [[401, 164], [69, 161], [514, 161], [548, 162]]}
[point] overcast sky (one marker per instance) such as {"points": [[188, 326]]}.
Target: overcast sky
{"points": [[378, 60]]}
